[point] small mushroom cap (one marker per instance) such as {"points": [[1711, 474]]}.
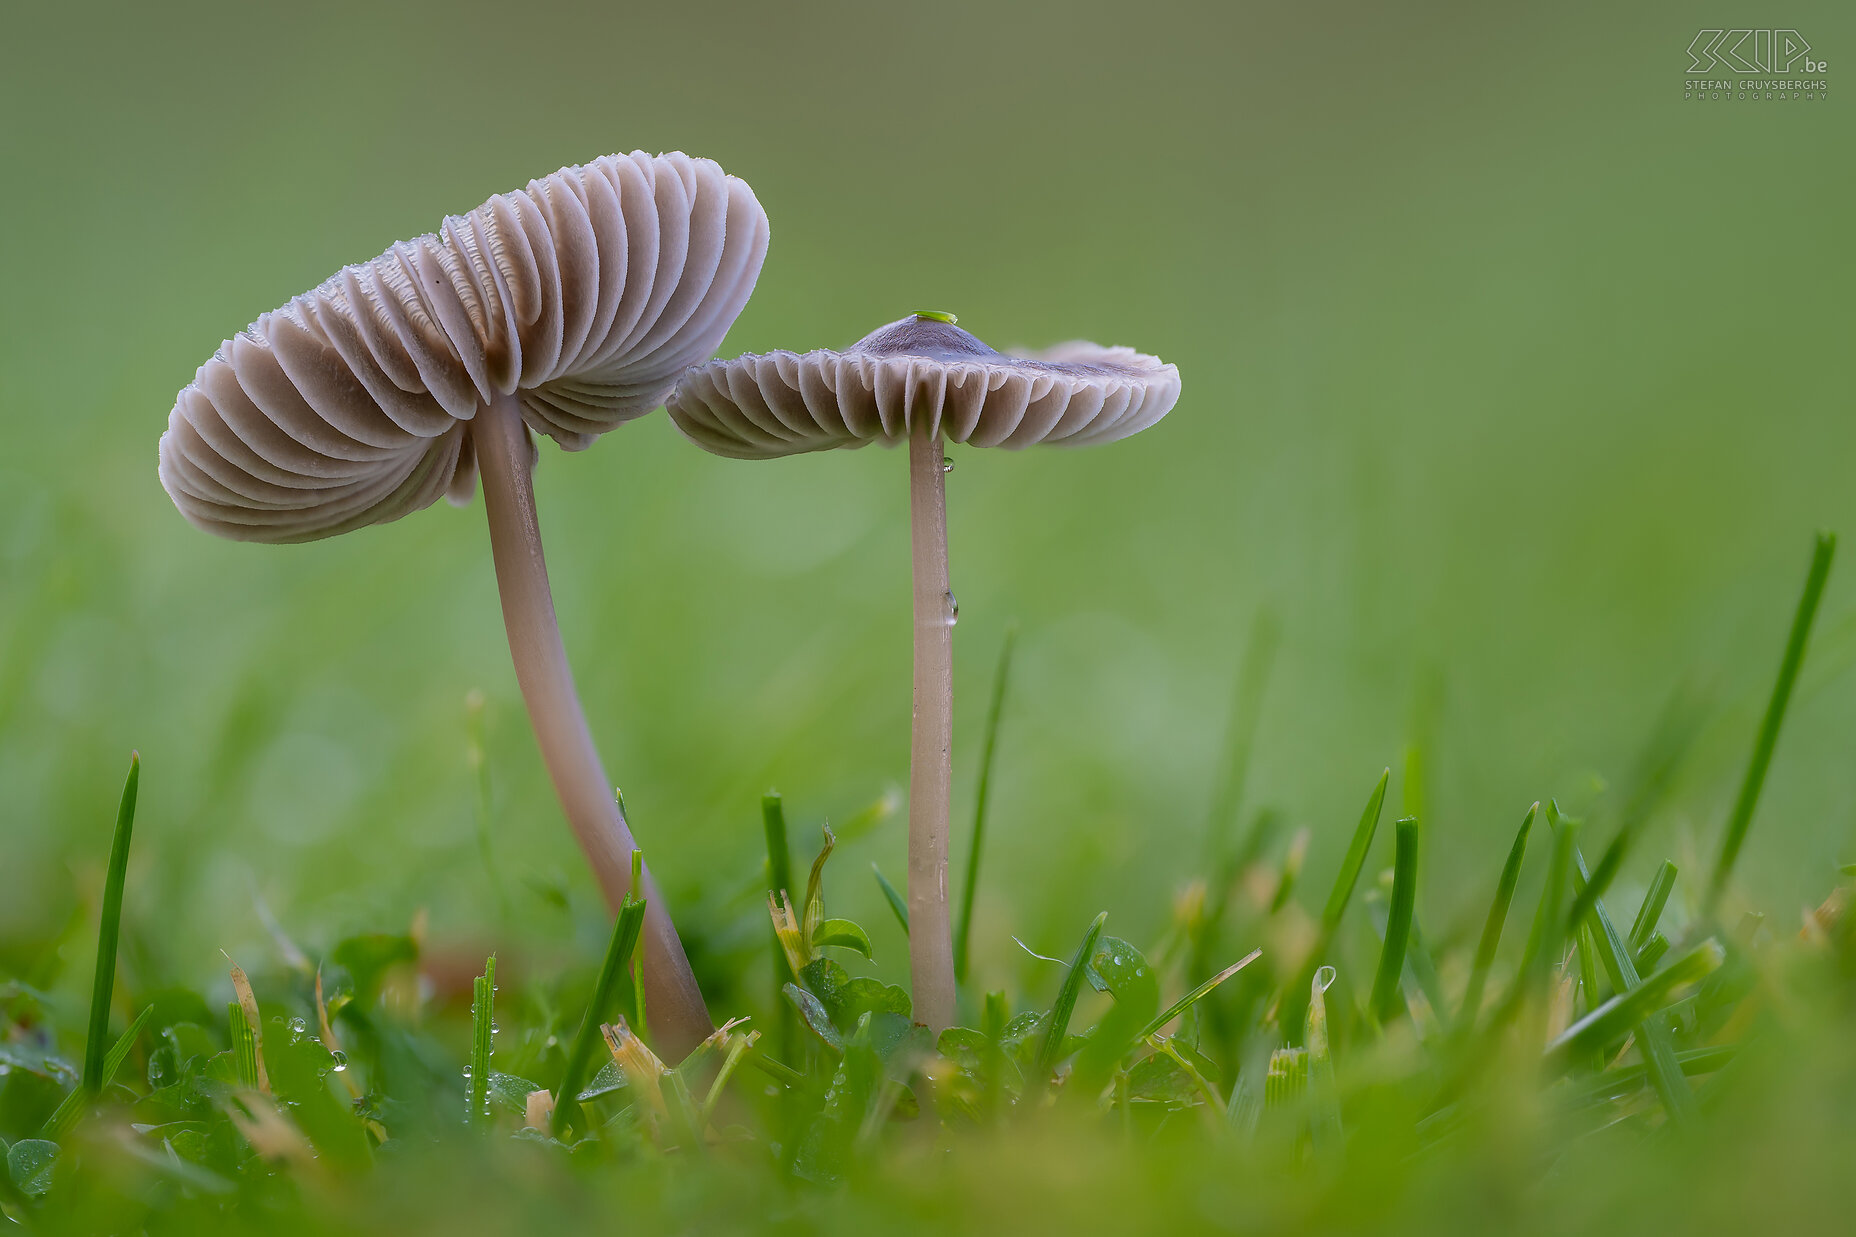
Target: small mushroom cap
{"points": [[919, 370], [587, 293]]}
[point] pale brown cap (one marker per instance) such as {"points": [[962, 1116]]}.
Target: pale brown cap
{"points": [[919, 371], [587, 293]]}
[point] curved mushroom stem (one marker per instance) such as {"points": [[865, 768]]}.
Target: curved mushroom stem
{"points": [[672, 999], [931, 945]]}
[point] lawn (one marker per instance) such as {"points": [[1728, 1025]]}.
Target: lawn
{"points": [[1514, 392]]}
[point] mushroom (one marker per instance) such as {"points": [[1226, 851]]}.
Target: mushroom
{"points": [[565, 309], [923, 379]]}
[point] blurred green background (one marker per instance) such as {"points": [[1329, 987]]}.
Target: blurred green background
{"points": [[1514, 383]]}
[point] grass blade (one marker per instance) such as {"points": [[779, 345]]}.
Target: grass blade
{"points": [[1421, 970], [1651, 911], [779, 852], [482, 1031], [587, 1040], [1324, 1129], [119, 1051], [1349, 874], [1387, 998], [1492, 926], [1057, 1023], [1295, 998], [97, 1067], [779, 882], [1742, 818], [72, 1106], [252, 1021], [1615, 1083], [108, 930], [1608, 864], [1588, 963], [244, 1045], [988, 746], [1655, 1035], [1546, 935], [1197, 994], [1625, 1011], [738, 1047], [897, 902]]}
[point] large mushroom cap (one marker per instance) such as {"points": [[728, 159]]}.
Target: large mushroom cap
{"points": [[586, 293], [920, 371]]}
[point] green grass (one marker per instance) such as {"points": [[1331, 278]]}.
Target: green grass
{"points": [[1511, 402], [976, 845], [1102, 1107], [1742, 819]]}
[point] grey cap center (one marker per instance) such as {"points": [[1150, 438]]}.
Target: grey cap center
{"points": [[923, 336]]}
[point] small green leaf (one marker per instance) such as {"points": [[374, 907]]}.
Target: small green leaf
{"points": [[36, 1059], [29, 1163], [963, 1046], [512, 1091], [813, 1013], [824, 979], [864, 995], [610, 1078], [1121, 970], [815, 883], [843, 933], [844, 999]]}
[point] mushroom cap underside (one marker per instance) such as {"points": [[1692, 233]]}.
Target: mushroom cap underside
{"points": [[583, 295], [919, 374]]}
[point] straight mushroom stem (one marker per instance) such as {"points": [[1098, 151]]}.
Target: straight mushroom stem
{"points": [[673, 1002], [931, 942]]}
